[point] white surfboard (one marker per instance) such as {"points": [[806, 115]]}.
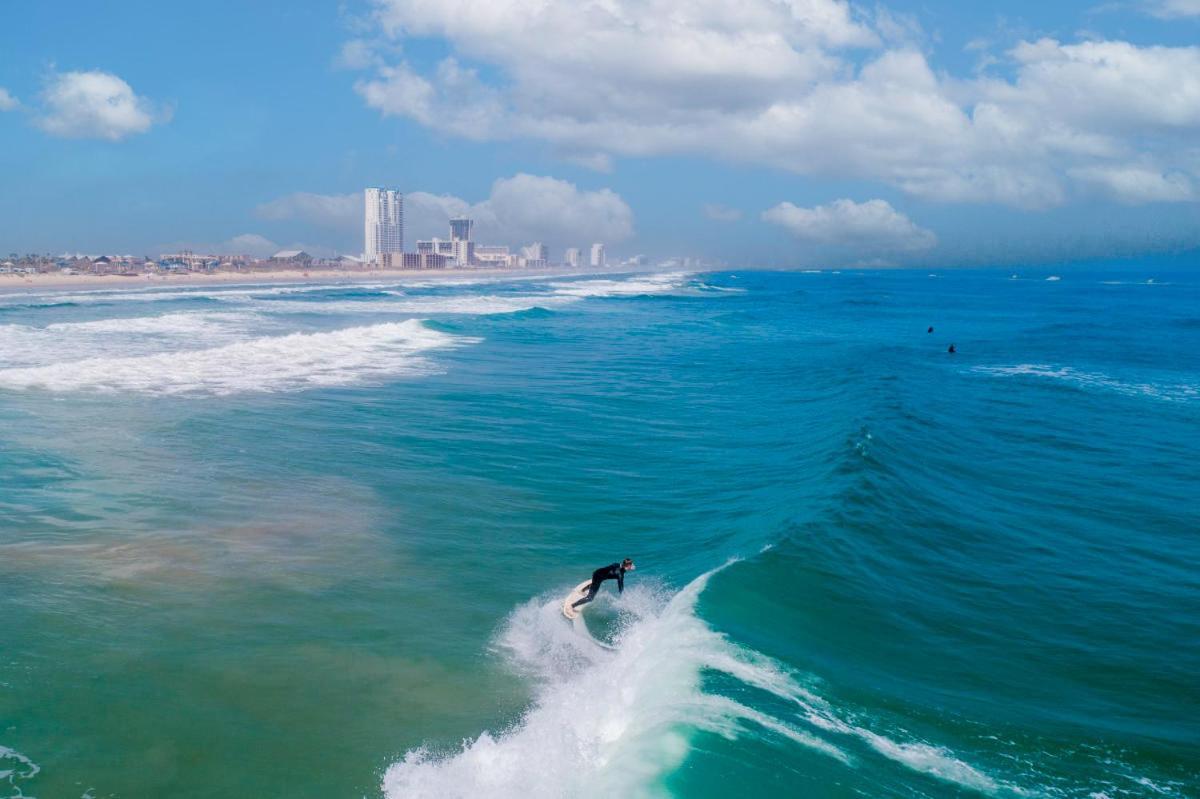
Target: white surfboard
{"points": [[577, 593]]}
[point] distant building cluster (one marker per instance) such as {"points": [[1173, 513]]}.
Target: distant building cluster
{"points": [[175, 263], [383, 247], [383, 243]]}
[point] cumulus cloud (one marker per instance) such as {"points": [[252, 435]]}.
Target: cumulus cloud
{"points": [[519, 209], [7, 101], [786, 84], [95, 105], [873, 227]]}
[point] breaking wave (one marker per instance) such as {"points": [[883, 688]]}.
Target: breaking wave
{"points": [[269, 364], [614, 722], [637, 285]]}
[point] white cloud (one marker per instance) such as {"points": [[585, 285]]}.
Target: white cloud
{"points": [[7, 101], [252, 244], [1135, 185], [1171, 9], [249, 244], [779, 83], [721, 213], [95, 105], [873, 227], [597, 162], [336, 211], [520, 209]]}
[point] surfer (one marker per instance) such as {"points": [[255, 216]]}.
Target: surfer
{"points": [[613, 571], [952, 349]]}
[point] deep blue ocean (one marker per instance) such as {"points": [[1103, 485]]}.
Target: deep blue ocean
{"points": [[311, 540]]}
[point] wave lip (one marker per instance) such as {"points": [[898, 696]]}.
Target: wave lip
{"points": [[270, 364]]}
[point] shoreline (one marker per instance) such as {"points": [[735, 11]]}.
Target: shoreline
{"points": [[49, 281]]}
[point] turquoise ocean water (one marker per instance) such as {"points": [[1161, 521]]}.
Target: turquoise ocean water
{"points": [[309, 541]]}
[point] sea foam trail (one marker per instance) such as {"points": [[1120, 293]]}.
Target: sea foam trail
{"points": [[275, 363], [606, 722], [1178, 392]]}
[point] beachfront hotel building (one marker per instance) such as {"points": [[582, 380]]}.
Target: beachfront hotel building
{"points": [[384, 229], [597, 254], [571, 258]]}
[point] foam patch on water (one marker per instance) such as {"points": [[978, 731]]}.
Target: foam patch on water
{"points": [[16, 768], [616, 722], [1178, 392], [268, 364]]}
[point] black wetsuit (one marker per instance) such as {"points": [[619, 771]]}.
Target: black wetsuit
{"points": [[613, 571]]}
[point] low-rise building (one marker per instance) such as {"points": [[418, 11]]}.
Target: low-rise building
{"points": [[298, 257]]}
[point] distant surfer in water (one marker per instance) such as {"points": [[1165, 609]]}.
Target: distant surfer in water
{"points": [[952, 349], [613, 571]]}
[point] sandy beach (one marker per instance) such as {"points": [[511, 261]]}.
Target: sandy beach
{"points": [[51, 281]]}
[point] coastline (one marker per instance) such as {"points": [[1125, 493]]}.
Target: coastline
{"points": [[50, 281]]}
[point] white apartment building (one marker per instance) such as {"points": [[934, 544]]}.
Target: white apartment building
{"points": [[571, 257], [384, 228], [597, 254]]}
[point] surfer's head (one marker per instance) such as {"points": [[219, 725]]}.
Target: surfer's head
{"points": [[627, 564]]}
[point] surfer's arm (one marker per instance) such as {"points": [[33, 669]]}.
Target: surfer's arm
{"points": [[620, 582]]}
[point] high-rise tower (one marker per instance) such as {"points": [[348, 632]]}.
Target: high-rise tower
{"points": [[384, 228], [460, 228]]}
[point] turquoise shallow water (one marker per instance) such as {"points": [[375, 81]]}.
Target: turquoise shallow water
{"points": [[309, 541]]}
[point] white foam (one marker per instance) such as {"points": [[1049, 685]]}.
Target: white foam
{"points": [[617, 721], [268, 364], [171, 324], [663, 283], [1178, 392], [27, 345], [142, 293], [15, 768], [603, 721], [468, 305]]}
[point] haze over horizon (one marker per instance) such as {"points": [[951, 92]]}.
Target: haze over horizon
{"points": [[797, 133]]}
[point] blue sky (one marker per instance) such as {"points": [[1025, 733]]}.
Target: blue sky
{"points": [[793, 132]]}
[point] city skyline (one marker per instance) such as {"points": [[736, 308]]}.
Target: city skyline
{"points": [[904, 134]]}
